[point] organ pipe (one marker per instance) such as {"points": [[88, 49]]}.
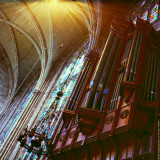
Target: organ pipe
{"points": [[150, 77], [107, 71], [156, 80], [136, 58], [115, 95], [132, 61], [100, 70], [154, 77], [113, 65], [147, 73], [131, 55], [136, 63], [79, 86], [109, 61]]}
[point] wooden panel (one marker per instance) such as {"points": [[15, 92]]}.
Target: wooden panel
{"points": [[109, 122], [71, 136], [60, 140], [123, 116]]}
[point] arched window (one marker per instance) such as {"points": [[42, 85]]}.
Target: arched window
{"points": [[135, 21], [154, 13], [66, 81], [15, 114], [142, 3], [145, 15]]}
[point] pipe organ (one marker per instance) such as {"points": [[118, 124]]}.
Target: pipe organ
{"points": [[115, 114]]}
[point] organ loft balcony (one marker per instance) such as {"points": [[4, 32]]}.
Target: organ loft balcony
{"points": [[88, 120]]}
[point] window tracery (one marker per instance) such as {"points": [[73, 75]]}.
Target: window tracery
{"points": [[145, 15], [154, 13], [146, 10]]}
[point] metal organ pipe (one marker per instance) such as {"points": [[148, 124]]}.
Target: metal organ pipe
{"points": [[115, 95], [113, 64], [125, 56], [150, 77], [132, 61], [78, 87], [131, 56], [79, 79], [146, 75], [109, 61], [154, 77], [100, 70], [77, 84], [109, 77], [106, 72], [156, 80], [136, 57]]}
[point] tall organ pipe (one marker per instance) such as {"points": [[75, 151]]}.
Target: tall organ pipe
{"points": [[146, 75], [119, 79], [156, 80], [154, 77], [113, 64], [136, 56], [130, 69], [100, 70], [131, 55], [125, 57], [150, 77], [114, 94], [106, 71], [80, 87], [135, 68], [109, 77], [85, 78], [109, 61], [77, 85], [120, 76]]}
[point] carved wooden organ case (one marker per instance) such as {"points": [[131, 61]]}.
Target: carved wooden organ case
{"points": [[112, 111]]}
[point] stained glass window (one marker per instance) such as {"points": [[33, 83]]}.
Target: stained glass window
{"points": [[145, 15], [143, 3], [66, 81], [154, 13], [135, 21], [14, 118]]}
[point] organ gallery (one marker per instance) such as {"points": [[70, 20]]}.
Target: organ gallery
{"points": [[94, 95]]}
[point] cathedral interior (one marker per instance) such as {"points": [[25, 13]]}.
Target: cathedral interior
{"points": [[79, 80]]}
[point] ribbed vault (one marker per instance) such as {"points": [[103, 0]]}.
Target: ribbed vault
{"points": [[39, 30]]}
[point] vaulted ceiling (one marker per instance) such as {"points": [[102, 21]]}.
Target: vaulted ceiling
{"points": [[38, 33]]}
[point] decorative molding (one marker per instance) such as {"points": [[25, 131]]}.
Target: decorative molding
{"points": [[62, 138], [109, 119], [124, 114], [72, 134]]}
